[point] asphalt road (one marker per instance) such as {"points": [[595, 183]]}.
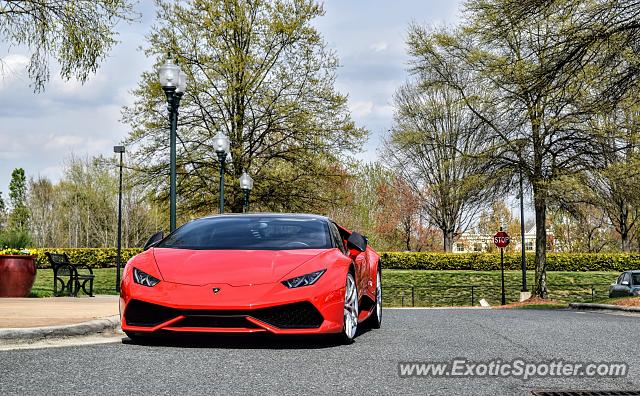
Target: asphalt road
{"points": [[259, 365]]}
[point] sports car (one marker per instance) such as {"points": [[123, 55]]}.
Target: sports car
{"points": [[252, 273]]}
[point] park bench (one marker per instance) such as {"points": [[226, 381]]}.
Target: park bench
{"points": [[78, 275]]}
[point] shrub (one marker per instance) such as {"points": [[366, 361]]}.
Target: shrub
{"points": [[491, 261], [95, 258], [14, 239], [106, 257]]}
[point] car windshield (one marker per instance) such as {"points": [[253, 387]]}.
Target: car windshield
{"points": [[251, 233], [636, 279]]}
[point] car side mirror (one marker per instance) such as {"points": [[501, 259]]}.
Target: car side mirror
{"points": [[357, 241], [624, 283], [155, 238]]}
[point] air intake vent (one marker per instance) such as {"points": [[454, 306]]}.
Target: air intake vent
{"points": [[291, 316], [214, 321], [302, 315]]}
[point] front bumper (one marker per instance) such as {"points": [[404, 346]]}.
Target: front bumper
{"points": [[233, 309]]}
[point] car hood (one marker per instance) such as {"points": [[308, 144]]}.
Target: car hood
{"points": [[232, 267]]}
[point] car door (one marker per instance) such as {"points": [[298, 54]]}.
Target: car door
{"points": [[625, 285], [360, 261], [615, 288]]}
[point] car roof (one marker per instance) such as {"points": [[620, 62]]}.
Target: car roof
{"points": [[270, 214], [633, 271]]}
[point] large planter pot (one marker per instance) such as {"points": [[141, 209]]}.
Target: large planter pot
{"points": [[17, 274]]}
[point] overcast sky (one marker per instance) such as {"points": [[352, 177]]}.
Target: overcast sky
{"points": [[38, 131]]}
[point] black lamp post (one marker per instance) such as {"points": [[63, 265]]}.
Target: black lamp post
{"points": [[174, 82], [221, 145], [120, 150], [246, 185]]}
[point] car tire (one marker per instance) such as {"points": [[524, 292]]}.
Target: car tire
{"points": [[375, 320], [350, 311]]}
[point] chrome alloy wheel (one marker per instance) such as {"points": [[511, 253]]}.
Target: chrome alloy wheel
{"points": [[350, 308]]}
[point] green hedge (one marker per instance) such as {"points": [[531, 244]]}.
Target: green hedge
{"points": [[95, 258], [104, 258], [489, 261]]}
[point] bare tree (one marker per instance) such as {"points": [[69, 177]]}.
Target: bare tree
{"points": [[536, 119], [434, 146]]}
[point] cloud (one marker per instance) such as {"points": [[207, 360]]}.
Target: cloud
{"points": [[361, 109], [38, 131], [379, 46], [13, 68]]}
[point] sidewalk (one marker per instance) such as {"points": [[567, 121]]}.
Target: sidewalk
{"points": [[54, 311]]}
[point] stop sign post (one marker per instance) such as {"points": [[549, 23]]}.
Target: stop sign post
{"points": [[502, 240]]}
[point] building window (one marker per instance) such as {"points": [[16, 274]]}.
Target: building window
{"points": [[528, 245], [477, 247], [460, 247]]}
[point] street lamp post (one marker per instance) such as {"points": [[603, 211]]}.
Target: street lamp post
{"points": [[221, 145], [246, 185], [120, 150], [174, 83]]}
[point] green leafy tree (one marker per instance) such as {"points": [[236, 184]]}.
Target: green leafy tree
{"points": [[19, 217], [78, 34], [3, 212], [260, 72]]}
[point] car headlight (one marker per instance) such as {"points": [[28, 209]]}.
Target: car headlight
{"points": [[144, 279], [303, 280]]}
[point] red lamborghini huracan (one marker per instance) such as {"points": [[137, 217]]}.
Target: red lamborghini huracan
{"points": [[277, 273]]}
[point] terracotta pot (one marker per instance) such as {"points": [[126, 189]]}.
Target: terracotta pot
{"points": [[17, 274]]}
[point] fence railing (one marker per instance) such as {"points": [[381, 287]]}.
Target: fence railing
{"points": [[470, 295]]}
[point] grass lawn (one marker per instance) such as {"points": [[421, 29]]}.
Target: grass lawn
{"points": [[104, 282], [432, 288], [453, 288]]}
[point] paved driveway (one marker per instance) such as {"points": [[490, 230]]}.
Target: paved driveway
{"points": [[258, 365]]}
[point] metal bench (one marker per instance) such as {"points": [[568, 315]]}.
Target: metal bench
{"points": [[79, 275]]}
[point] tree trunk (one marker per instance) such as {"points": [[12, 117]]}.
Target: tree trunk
{"points": [[448, 240], [624, 229], [540, 205], [407, 233]]}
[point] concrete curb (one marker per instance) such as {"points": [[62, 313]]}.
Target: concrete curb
{"points": [[609, 307], [111, 323]]}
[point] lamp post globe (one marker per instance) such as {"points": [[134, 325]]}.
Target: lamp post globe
{"points": [[246, 182], [221, 145], [246, 185], [182, 82], [174, 82], [169, 74]]}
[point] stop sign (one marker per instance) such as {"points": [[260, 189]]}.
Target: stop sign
{"points": [[501, 239]]}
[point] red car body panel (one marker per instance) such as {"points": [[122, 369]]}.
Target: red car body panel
{"points": [[250, 296]]}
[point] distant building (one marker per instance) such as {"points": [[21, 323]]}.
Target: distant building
{"points": [[470, 242]]}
